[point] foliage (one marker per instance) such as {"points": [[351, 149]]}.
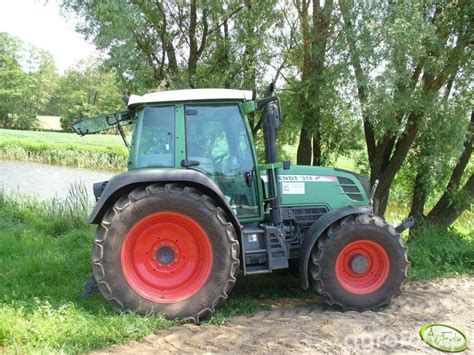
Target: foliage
{"points": [[27, 80], [437, 252], [85, 91], [169, 44], [406, 59], [397, 75]]}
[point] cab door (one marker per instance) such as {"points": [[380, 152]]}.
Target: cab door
{"points": [[216, 137]]}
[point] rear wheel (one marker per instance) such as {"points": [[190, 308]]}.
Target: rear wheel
{"points": [[167, 249], [359, 263]]}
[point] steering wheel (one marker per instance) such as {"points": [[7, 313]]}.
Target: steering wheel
{"points": [[152, 150], [230, 166], [219, 158]]}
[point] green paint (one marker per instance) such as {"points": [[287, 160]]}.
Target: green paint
{"points": [[180, 141], [259, 188], [270, 167], [248, 107], [444, 337], [327, 193]]}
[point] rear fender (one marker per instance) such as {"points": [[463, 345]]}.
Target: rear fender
{"points": [[124, 183], [316, 230]]}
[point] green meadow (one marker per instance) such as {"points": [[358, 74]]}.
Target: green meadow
{"points": [[98, 152]]}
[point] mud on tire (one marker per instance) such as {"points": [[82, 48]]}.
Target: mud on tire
{"points": [[375, 278], [140, 292]]}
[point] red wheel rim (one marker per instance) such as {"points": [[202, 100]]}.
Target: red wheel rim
{"points": [[166, 257], [362, 267]]}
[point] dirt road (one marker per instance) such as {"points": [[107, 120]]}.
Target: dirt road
{"points": [[314, 328]]}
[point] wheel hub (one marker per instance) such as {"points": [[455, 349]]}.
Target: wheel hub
{"points": [[359, 264], [362, 267], [165, 255]]}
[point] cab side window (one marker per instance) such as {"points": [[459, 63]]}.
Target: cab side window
{"points": [[156, 143]]}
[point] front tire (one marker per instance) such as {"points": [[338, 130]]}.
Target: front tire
{"points": [[166, 249], [359, 263]]}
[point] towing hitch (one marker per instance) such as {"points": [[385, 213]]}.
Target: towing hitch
{"points": [[406, 224]]}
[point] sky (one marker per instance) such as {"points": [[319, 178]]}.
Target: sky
{"points": [[40, 23]]}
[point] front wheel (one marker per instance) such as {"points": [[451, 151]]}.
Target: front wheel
{"points": [[359, 263], [166, 249]]}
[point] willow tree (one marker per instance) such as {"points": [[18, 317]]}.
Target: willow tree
{"points": [[404, 56], [179, 44], [317, 78]]}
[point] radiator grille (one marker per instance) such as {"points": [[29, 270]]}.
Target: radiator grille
{"points": [[351, 189]]}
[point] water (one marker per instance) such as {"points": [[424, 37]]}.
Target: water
{"points": [[45, 181]]}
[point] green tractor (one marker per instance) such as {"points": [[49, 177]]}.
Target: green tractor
{"points": [[196, 205]]}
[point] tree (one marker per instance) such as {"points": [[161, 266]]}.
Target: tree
{"points": [[179, 44], [457, 194], [403, 56], [315, 34], [315, 75], [28, 77], [87, 90], [11, 79]]}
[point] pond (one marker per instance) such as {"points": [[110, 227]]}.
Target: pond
{"points": [[45, 181]]}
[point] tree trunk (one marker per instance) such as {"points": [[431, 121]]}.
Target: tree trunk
{"points": [[303, 156], [419, 199], [315, 38], [387, 154], [455, 207], [317, 152], [453, 202]]}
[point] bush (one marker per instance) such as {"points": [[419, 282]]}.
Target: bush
{"points": [[437, 252]]}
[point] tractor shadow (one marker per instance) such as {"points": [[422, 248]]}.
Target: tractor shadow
{"points": [[253, 293]]}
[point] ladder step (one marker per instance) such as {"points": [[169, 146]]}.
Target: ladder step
{"points": [[255, 251], [259, 269]]}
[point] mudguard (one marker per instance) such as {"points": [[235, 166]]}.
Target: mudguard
{"points": [[124, 183], [316, 230]]}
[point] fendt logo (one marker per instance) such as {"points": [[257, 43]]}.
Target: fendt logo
{"points": [[306, 178]]}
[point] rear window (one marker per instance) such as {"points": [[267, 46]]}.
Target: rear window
{"points": [[155, 144]]}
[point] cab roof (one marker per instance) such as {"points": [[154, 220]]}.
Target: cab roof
{"points": [[191, 95]]}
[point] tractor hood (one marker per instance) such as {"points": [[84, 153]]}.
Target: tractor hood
{"points": [[314, 185]]}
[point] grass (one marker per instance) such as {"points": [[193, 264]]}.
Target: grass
{"points": [[435, 252], [45, 258], [98, 152]]}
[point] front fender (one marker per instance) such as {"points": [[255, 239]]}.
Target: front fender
{"points": [[316, 230], [124, 183]]}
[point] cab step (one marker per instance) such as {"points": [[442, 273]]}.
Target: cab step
{"points": [[263, 250]]}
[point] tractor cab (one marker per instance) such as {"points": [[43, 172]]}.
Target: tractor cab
{"points": [[209, 136]]}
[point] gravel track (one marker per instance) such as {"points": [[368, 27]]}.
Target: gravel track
{"points": [[311, 328]]}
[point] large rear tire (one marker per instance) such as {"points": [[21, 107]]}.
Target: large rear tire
{"points": [[359, 263], [166, 249]]}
